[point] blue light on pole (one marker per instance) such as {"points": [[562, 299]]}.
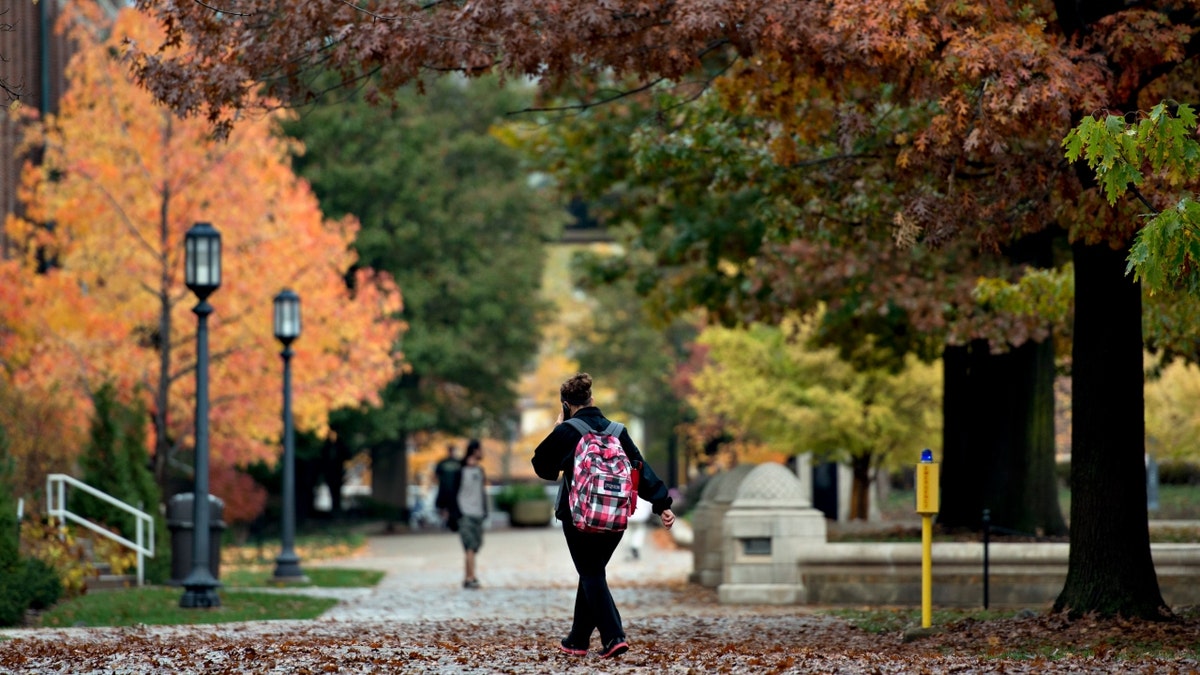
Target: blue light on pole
{"points": [[287, 329], [202, 273]]}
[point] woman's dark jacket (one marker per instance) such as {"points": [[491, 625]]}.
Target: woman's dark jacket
{"points": [[556, 453]]}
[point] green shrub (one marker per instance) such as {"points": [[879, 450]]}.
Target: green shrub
{"points": [[14, 597], [115, 462], [377, 509], [9, 528], [1178, 472], [42, 583], [519, 492]]}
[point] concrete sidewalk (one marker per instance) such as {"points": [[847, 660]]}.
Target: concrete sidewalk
{"points": [[525, 573]]}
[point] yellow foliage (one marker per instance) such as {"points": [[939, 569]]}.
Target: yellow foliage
{"points": [[1172, 416], [120, 559], [58, 547], [775, 396]]}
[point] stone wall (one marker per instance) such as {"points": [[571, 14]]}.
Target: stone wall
{"points": [[1019, 574]]}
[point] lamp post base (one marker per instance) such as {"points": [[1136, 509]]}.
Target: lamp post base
{"points": [[200, 598], [287, 569], [200, 590]]}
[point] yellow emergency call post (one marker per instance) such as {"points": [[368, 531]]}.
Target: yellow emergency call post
{"points": [[927, 507]]}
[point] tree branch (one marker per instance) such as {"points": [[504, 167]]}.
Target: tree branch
{"points": [[1142, 198], [585, 105], [218, 10]]}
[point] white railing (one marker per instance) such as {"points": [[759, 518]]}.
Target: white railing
{"points": [[56, 501]]}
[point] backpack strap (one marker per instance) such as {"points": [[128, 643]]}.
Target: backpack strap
{"points": [[613, 428], [580, 426]]}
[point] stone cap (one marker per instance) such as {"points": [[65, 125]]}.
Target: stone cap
{"points": [[723, 487], [771, 485]]}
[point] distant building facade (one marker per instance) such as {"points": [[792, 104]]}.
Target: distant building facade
{"points": [[33, 58]]}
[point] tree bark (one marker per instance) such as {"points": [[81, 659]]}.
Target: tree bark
{"points": [[389, 478], [998, 439], [860, 487], [1110, 571], [333, 469]]}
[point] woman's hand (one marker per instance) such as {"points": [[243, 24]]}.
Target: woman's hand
{"points": [[668, 518]]}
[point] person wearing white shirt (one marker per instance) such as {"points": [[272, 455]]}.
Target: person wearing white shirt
{"points": [[639, 523]]}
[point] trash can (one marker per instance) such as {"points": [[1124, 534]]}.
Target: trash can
{"points": [[179, 522]]}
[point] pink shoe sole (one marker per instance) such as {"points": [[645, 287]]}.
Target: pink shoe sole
{"points": [[572, 651], [616, 649]]}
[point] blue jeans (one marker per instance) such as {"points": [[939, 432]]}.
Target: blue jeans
{"points": [[594, 606]]}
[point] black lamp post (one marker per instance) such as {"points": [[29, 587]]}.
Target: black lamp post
{"points": [[287, 329], [203, 276]]}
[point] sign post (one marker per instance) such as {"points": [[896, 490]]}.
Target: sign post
{"points": [[927, 507]]}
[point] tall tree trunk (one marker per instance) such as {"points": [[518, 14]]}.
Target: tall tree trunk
{"points": [[961, 499], [998, 439], [1039, 512], [860, 487], [389, 478], [333, 470], [659, 443], [162, 393], [1110, 570]]}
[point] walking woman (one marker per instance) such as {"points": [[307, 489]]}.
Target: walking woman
{"points": [[591, 551], [471, 508]]}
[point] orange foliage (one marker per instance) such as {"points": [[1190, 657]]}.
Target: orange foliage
{"points": [[122, 181], [41, 435]]}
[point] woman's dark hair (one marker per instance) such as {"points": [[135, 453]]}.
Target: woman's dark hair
{"points": [[577, 390]]}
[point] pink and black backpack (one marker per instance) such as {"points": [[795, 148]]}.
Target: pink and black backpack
{"points": [[604, 485]]}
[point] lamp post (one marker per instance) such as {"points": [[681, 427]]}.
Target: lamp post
{"points": [[287, 329], [202, 245]]}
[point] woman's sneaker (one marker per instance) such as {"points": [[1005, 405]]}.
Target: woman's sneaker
{"points": [[615, 648], [566, 648]]}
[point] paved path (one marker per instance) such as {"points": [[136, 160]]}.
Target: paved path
{"points": [[524, 572]]}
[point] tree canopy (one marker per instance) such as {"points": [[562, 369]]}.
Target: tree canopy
{"points": [[768, 388], [1154, 156], [449, 211], [992, 90]]}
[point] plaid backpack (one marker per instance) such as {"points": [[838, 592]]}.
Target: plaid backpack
{"points": [[603, 492]]}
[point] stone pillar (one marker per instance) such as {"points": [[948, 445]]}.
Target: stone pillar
{"points": [[768, 523], [708, 522]]}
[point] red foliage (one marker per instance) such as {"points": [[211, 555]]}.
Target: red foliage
{"points": [[244, 498]]}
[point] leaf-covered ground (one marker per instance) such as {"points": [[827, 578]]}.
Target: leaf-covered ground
{"points": [[420, 620], [693, 634]]}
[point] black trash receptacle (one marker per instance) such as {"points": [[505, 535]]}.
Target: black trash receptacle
{"points": [[179, 522]]}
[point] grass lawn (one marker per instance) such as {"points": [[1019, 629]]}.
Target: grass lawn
{"points": [[1177, 502], [243, 568], [159, 605]]}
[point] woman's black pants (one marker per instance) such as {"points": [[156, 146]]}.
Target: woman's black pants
{"points": [[594, 606]]}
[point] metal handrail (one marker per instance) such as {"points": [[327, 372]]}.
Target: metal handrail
{"points": [[56, 507]]}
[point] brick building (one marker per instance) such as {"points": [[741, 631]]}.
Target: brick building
{"points": [[32, 59]]}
